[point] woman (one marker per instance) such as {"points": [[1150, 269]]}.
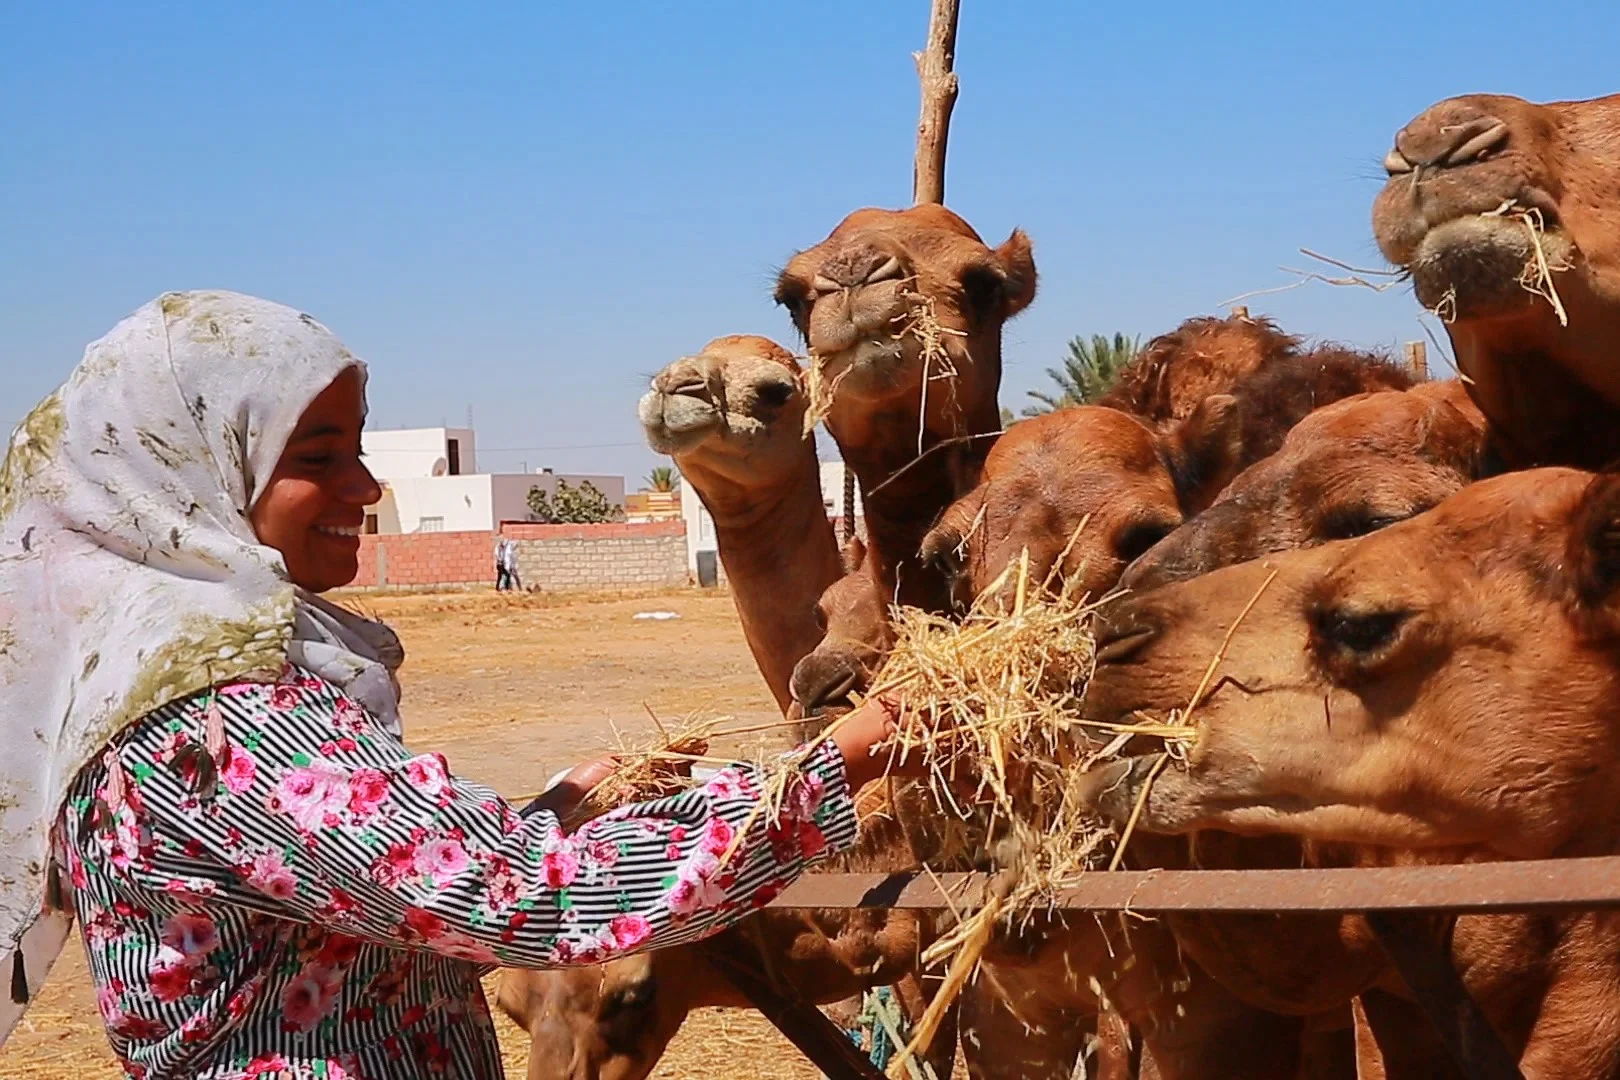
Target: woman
{"points": [[269, 883]]}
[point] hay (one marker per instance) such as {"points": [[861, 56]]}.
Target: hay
{"points": [[1537, 276], [919, 321], [650, 772]]}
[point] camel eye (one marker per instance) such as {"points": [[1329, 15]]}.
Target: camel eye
{"points": [[775, 394], [1135, 540], [1348, 522], [1360, 633]]}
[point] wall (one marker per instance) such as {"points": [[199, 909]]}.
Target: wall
{"points": [[426, 560], [551, 558], [563, 558]]}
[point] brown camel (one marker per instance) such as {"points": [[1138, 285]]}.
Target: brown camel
{"points": [[1345, 470], [1175, 372], [1128, 487], [1099, 488], [732, 417], [1503, 212], [904, 310], [1387, 698]]}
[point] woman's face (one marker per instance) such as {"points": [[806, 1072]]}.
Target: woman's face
{"points": [[313, 507]]}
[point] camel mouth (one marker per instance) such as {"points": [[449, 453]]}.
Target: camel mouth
{"points": [[834, 694], [872, 367], [1111, 791], [1486, 264], [1469, 253], [675, 423]]}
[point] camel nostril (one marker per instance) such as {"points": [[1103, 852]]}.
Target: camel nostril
{"points": [[1395, 163], [824, 284], [1475, 139], [1124, 634], [887, 271]]}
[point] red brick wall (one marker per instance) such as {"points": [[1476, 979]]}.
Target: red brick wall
{"points": [[420, 559], [582, 556]]}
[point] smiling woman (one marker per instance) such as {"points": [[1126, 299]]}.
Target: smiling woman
{"points": [[269, 882], [313, 507]]}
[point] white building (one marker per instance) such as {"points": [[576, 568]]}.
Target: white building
{"points": [[407, 452], [700, 535], [431, 484]]}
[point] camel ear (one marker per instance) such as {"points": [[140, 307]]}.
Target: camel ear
{"points": [[1205, 451], [1017, 259], [1594, 545]]}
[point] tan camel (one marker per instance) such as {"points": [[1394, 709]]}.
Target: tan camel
{"points": [[1175, 372], [1504, 214], [732, 417], [1388, 698]]}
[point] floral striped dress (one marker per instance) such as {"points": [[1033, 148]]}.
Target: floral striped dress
{"points": [[269, 884]]}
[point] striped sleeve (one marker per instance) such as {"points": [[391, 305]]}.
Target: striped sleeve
{"points": [[313, 812]]}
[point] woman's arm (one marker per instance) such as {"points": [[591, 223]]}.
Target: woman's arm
{"points": [[319, 814]]}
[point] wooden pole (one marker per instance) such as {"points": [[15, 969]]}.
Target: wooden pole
{"points": [[849, 502], [934, 71], [1417, 358]]}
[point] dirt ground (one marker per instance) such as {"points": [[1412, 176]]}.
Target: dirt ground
{"points": [[511, 689]]}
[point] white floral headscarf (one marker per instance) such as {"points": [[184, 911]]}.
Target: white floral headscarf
{"points": [[130, 576]]}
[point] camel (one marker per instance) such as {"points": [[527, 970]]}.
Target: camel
{"points": [[1345, 470], [1175, 372], [913, 421], [732, 417], [1386, 699], [1502, 211], [1099, 488]]}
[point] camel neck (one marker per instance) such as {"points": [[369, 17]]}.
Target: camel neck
{"points": [[780, 555]]}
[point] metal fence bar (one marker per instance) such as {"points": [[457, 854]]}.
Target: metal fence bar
{"points": [[1472, 889]]}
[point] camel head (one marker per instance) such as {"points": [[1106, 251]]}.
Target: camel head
{"points": [[854, 617], [1444, 685], [862, 297], [1495, 206], [1175, 372], [1084, 490], [732, 416], [1344, 471], [611, 1022]]}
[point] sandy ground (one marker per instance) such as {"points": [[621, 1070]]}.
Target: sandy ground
{"points": [[510, 690]]}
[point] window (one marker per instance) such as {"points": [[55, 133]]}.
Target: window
{"points": [[430, 524], [453, 452], [371, 525]]}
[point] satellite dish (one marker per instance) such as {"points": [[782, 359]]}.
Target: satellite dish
{"points": [[441, 467]]}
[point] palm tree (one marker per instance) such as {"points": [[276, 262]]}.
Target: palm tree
{"points": [[1087, 372], [663, 478]]}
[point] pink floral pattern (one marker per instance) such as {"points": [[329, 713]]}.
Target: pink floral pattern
{"points": [[326, 908]]}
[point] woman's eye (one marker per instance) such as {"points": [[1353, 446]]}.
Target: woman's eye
{"points": [[314, 461]]}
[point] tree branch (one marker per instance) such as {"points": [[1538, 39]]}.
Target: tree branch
{"points": [[935, 72]]}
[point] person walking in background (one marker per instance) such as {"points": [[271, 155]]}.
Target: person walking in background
{"points": [[503, 575], [509, 564]]}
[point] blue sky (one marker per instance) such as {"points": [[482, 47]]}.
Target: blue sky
{"points": [[529, 208]]}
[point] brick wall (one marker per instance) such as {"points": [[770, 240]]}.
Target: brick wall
{"points": [[563, 558], [551, 558], [426, 560]]}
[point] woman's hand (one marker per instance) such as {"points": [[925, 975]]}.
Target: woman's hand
{"points": [[866, 738], [562, 797]]}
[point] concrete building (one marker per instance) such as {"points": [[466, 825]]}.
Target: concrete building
{"points": [[431, 484], [409, 452]]}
